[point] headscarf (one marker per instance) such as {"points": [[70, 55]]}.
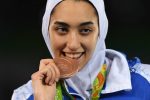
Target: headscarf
{"points": [[82, 81]]}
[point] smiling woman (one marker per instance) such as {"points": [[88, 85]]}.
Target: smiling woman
{"points": [[74, 32]]}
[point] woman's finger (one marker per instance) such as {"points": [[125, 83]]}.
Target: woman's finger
{"points": [[52, 72], [44, 63], [57, 73]]}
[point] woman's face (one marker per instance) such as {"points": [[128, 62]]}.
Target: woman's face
{"points": [[73, 30]]}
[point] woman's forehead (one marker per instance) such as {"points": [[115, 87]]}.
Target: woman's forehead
{"points": [[74, 6], [71, 10]]}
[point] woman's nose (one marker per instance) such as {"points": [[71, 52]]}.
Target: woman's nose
{"points": [[73, 42]]}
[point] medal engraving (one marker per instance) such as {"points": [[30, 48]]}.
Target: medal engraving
{"points": [[67, 67]]}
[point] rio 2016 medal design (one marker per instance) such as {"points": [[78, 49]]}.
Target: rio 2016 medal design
{"points": [[67, 67]]}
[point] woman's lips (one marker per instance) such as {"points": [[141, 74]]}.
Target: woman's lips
{"points": [[73, 55]]}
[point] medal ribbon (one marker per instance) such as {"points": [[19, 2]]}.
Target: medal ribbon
{"points": [[96, 87], [98, 83]]}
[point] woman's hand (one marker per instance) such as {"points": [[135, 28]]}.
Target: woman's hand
{"points": [[44, 80]]}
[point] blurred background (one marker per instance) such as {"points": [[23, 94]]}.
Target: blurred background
{"points": [[22, 45]]}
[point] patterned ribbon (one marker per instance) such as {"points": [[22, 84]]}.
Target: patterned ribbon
{"points": [[96, 87], [58, 92], [98, 83]]}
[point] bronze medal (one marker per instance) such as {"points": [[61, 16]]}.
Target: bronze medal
{"points": [[67, 67]]}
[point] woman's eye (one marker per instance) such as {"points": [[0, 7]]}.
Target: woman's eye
{"points": [[85, 31], [61, 30]]}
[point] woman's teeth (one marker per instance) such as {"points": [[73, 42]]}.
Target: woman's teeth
{"points": [[73, 55]]}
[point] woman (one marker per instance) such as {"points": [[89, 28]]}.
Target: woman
{"points": [[76, 30]]}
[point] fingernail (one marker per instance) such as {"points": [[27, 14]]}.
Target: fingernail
{"points": [[50, 83], [56, 79]]}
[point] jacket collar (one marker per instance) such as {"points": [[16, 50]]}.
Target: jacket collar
{"points": [[118, 74]]}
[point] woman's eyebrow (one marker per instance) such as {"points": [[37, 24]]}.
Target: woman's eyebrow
{"points": [[86, 23], [67, 25], [62, 23]]}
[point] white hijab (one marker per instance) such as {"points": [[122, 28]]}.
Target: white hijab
{"points": [[83, 80]]}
